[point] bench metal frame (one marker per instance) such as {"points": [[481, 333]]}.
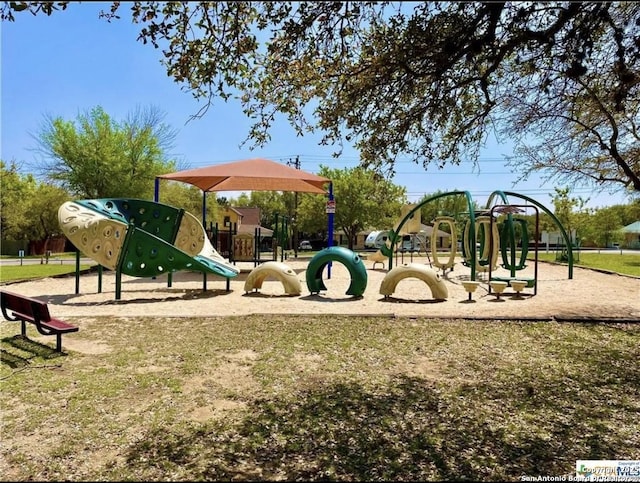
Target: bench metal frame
{"points": [[16, 307]]}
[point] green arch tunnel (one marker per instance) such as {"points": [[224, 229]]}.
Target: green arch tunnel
{"points": [[346, 257]]}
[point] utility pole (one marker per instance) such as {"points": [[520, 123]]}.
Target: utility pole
{"points": [[296, 164]]}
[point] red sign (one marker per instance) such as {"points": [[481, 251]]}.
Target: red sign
{"points": [[331, 206]]}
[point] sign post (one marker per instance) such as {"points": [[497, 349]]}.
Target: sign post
{"points": [[330, 210]]}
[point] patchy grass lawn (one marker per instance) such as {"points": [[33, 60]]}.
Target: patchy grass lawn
{"points": [[10, 273], [317, 398], [625, 263]]}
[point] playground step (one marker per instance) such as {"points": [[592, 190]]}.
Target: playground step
{"points": [[530, 281]]}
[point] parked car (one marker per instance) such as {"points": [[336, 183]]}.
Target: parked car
{"points": [[305, 245]]}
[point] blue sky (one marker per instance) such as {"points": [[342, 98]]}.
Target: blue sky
{"points": [[65, 64]]}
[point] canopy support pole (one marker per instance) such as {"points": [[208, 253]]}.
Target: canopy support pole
{"points": [[330, 228]]}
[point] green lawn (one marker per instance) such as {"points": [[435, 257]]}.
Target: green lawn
{"points": [[10, 273], [318, 398], [59, 264], [628, 264]]}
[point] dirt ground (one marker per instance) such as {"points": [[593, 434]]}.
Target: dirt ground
{"points": [[589, 295]]}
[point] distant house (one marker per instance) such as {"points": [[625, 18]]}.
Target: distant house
{"points": [[443, 239], [241, 220], [632, 235], [340, 238], [555, 238], [242, 223]]}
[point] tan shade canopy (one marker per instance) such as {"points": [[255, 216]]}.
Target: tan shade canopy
{"points": [[251, 175]]}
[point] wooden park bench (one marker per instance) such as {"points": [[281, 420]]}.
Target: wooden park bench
{"points": [[26, 309]]}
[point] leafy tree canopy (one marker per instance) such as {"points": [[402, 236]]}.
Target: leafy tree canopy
{"points": [[16, 188], [364, 200], [269, 202], [570, 211], [28, 208], [187, 197], [429, 80], [96, 157]]}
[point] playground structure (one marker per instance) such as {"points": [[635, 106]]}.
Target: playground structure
{"points": [[257, 174], [346, 257], [508, 245], [358, 273], [450, 223], [414, 270], [483, 240], [377, 257], [411, 230], [146, 239], [140, 238], [486, 231], [273, 269], [249, 247]]}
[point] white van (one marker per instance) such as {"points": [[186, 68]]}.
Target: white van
{"points": [[376, 239]]}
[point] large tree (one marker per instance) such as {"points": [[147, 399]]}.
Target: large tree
{"points": [[187, 197], [588, 131], [429, 80], [571, 212], [364, 200], [15, 190], [96, 157], [603, 227], [28, 207]]}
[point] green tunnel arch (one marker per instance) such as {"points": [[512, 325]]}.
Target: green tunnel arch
{"points": [[346, 257]]}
